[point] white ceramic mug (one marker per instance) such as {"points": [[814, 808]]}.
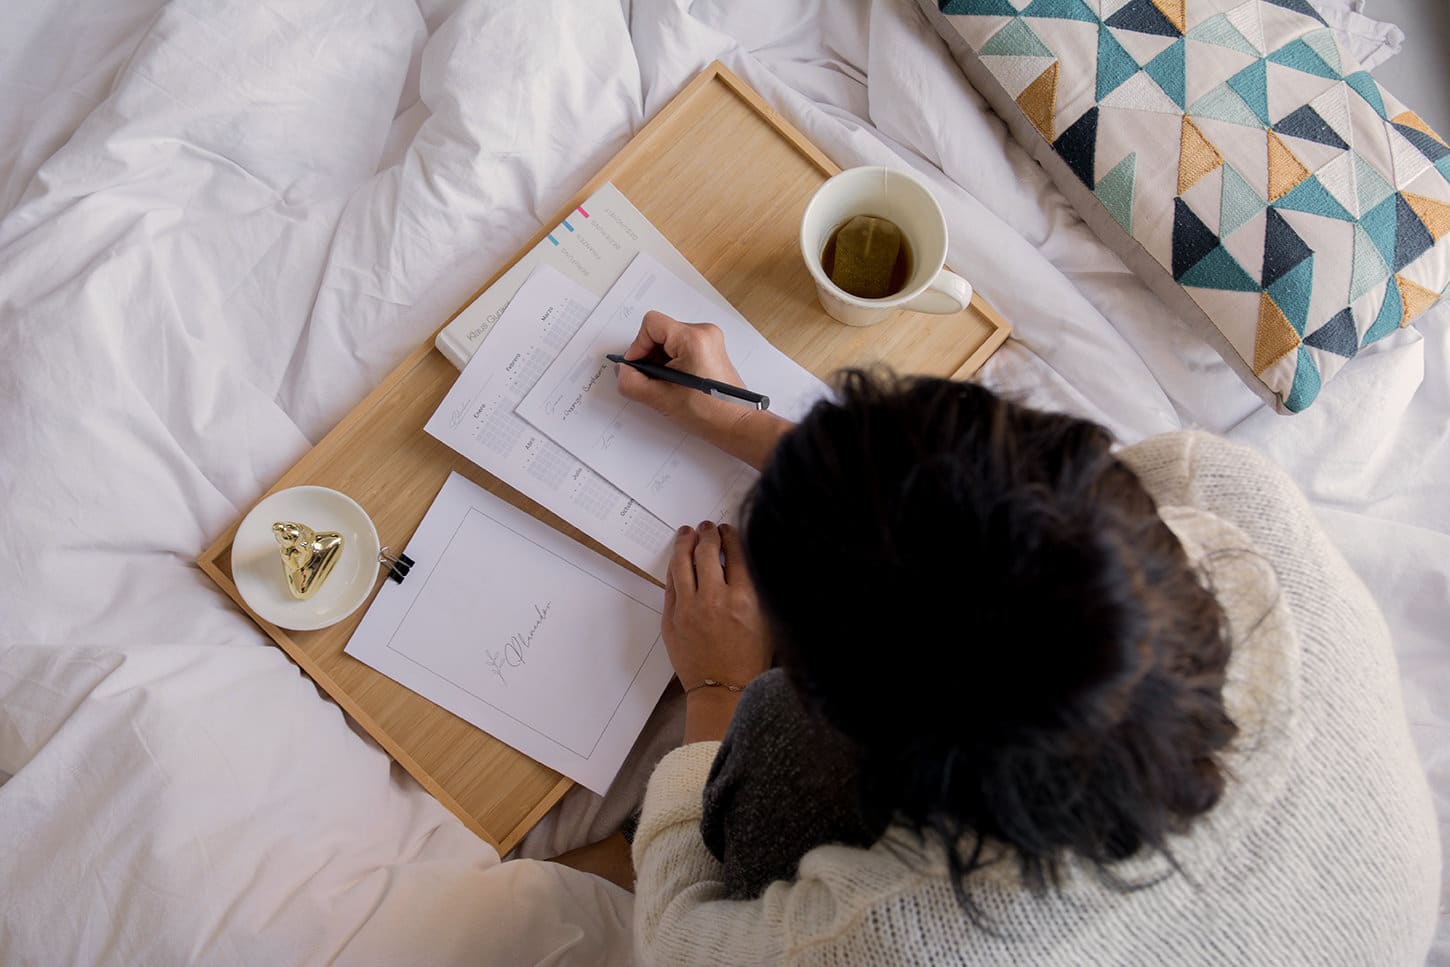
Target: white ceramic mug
{"points": [[899, 198]]}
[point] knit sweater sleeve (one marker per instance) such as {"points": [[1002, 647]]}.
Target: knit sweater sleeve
{"points": [[681, 914]]}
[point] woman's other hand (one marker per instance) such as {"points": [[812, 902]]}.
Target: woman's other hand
{"points": [[698, 349], [712, 626]]}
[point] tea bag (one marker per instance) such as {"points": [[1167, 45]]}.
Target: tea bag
{"points": [[866, 252]]}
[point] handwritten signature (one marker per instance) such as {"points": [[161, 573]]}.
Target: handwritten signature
{"points": [[515, 651]]}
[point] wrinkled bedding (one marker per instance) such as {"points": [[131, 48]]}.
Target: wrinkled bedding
{"points": [[224, 222]]}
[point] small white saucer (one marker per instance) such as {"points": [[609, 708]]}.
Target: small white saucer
{"points": [[257, 560]]}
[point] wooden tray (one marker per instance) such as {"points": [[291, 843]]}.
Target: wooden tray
{"points": [[726, 179]]}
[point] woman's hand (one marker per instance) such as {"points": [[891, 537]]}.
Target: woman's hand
{"points": [[712, 626], [699, 349]]}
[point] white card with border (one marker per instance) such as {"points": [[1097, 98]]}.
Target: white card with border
{"points": [[523, 632]]}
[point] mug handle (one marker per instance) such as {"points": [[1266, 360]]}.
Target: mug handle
{"points": [[948, 292]]}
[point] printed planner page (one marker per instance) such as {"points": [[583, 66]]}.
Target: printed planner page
{"points": [[679, 478], [523, 632], [477, 420]]}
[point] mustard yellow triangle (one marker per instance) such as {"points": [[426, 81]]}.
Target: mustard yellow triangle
{"points": [[1285, 170], [1412, 120], [1415, 299], [1435, 214], [1275, 338], [1039, 100], [1196, 157], [1173, 10]]}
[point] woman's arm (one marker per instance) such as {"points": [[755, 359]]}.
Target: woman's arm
{"points": [[746, 434]]}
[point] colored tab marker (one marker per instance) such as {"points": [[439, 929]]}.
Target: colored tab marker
{"points": [[567, 225], [581, 211], [553, 239]]}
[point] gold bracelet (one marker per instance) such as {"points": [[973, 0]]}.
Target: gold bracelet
{"points": [[711, 683]]}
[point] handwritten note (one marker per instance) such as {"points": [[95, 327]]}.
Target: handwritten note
{"points": [[523, 632], [576, 401]]}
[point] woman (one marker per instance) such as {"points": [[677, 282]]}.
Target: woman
{"points": [[1035, 702]]}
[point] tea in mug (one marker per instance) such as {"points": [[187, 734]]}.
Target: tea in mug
{"points": [[867, 257]]}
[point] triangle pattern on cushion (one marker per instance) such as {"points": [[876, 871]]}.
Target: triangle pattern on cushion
{"points": [[1415, 298], [1337, 336], [1299, 56], [1252, 84], [1428, 144], [1365, 87], [1337, 178], [978, 8], [1115, 64], [1434, 215], [1332, 106], [1141, 93], [1369, 268], [1369, 185], [1380, 223], [1115, 191], [1144, 17], [1291, 293], [1275, 338], [1196, 156], [1306, 383], [1238, 202], [1411, 119], [1219, 270], [1060, 10], [1285, 170], [1409, 161], [1223, 103], [1220, 32], [1173, 10], [1168, 70], [1321, 41], [1016, 39], [1412, 238], [1310, 196], [1283, 248], [1298, 6], [1305, 123], [1039, 100], [1388, 320], [1192, 240], [1078, 146], [1246, 20]]}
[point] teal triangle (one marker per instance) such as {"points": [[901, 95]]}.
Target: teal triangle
{"points": [[1380, 223], [1369, 269], [1252, 84], [1311, 196], [1306, 386], [1115, 64], [1443, 166], [1369, 184], [1219, 270], [1220, 32], [1321, 41], [1366, 88], [979, 8], [1015, 40], [1388, 319], [1061, 10], [1167, 70], [1301, 57], [1291, 292], [1115, 191], [1223, 103], [1238, 201]]}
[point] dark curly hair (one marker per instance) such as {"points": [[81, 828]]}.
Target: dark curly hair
{"points": [[986, 601]]}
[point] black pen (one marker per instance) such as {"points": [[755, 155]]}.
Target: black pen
{"points": [[711, 386]]}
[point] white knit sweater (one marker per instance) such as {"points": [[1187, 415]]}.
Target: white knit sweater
{"points": [[1322, 850]]}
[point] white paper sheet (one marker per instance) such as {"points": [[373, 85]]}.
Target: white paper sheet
{"points": [[477, 419], [678, 477], [523, 632]]}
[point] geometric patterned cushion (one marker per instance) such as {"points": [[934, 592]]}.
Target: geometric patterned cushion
{"points": [[1238, 159]]}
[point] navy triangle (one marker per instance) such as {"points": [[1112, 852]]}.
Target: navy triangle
{"points": [[1307, 124], [1140, 16], [1412, 239], [1078, 146], [1283, 248], [1336, 336], [1192, 239], [1298, 6], [1428, 146], [979, 8]]}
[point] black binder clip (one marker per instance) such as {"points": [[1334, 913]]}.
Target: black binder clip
{"points": [[398, 564]]}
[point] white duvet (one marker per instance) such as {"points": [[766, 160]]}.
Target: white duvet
{"points": [[224, 222]]}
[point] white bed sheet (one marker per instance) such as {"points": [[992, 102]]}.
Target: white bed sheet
{"points": [[224, 223]]}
